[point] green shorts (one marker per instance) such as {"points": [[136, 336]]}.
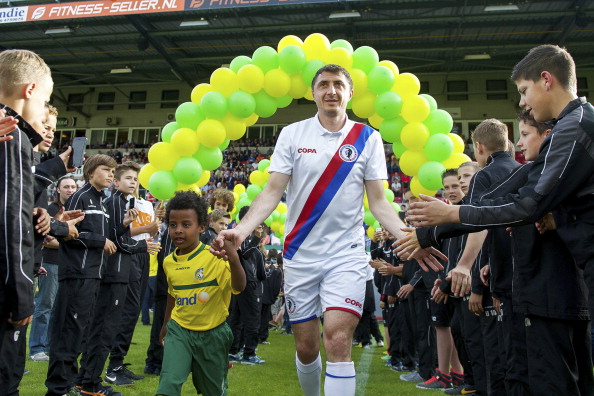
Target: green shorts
{"points": [[203, 353]]}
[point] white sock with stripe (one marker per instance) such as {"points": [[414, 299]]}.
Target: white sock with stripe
{"points": [[340, 379], [309, 376]]}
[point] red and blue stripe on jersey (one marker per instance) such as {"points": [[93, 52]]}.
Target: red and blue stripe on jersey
{"points": [[325, 189]]}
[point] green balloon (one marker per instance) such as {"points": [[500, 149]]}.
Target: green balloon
{"points": [[275, 215], [430, 175], [398, 148], [431, 100], [388, 105], [214, 105], [242, 104], [439, 147], [439, 121], [168, 131], [224, 145], [189, 115], [187, 170], [282, 218], [262, 165], [365, 58], [396, 207], [391, 129], [253, 190], [268, 220], [380, 79], [241, 203], [368, 218], [265, 104], [162, 185], [342, 44], [283, 101], [292, 59], [210, 158], [389, 194], [376, 225], [266, 58], [243, 195], [239, 61], [310, 70]]}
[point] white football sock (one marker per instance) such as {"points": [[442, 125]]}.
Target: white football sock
{"points": [[309, 376], [340, 379]]}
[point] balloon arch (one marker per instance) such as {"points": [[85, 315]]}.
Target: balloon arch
{"points": [[271, 79]]}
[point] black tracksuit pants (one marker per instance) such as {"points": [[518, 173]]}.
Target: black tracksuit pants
{"points": [[265, 317], [494, 353], [473, 341], [424, 331], [457, 335], [12, 359], [512, 336], [154, 353], [73, 309], [559, 352], [136, 287], [105, 325], [244, 319]]}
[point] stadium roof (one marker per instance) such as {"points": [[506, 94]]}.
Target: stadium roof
{"points": [[421, 36]]}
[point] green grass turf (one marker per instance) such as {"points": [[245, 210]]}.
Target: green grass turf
{"points": [[275, 378]]}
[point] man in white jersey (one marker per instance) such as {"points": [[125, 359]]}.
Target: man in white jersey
{"points": [[327, 161]]}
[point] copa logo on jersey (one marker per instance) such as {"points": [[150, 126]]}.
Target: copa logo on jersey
{"points": [[348, 153], [199, 274]]}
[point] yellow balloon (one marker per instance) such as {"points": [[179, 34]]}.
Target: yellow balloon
{"points": [[359, 81], [415, 109], [375, 121], [184, 187], [365, 200], [234, 127], [257, 178], [411, 161], [417, 188], [386, 185], [235, 197], [390, 65], [308, 95], [225, 81], [364, 106], [203, 179], [277, 83], [251, 120], [163, 156], [199, 91], [289, 40], [298, 87], [239, 189], [456, 160], [281, 208], [414, 135], [234, 211], [211, 133], [406, 84], [250, 78], [145, 174], [340, 56], [370, 232], [275, 226], [185, 141], [316, 46], [458, 142], [281, 229]]}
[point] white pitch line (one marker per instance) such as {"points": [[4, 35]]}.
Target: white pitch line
{"points": [[363, 371]]}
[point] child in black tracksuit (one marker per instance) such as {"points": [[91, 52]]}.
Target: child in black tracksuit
{"points": [[82, 260], [114, 283]]}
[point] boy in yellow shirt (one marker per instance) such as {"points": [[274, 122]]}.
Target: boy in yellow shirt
{"points": [[195, 335]]}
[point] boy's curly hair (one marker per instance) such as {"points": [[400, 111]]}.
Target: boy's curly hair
{"points": [[188, 200], [223, 195]]}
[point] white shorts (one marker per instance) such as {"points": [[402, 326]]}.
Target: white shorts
{"points": [[331, 284]]}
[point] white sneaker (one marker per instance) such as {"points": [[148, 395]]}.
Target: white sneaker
{"points": [[380, 343], [40, 357]]}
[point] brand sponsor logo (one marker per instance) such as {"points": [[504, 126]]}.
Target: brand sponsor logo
{"points": [[353, 302], [38, 13], [291, 304], [14, 14], [182, 268], [199, 274], [203, 297], [196, 4], [348, 153], [306, 150]]}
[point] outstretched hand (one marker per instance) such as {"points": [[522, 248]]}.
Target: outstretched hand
{"points": [[408, 245], [431, 212], [7, 125], [217, 246], [428, 259]]}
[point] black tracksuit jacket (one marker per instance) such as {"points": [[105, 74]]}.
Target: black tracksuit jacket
{"points": [[561, 180], [84, 257], [16, 208], [118, 265]]}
